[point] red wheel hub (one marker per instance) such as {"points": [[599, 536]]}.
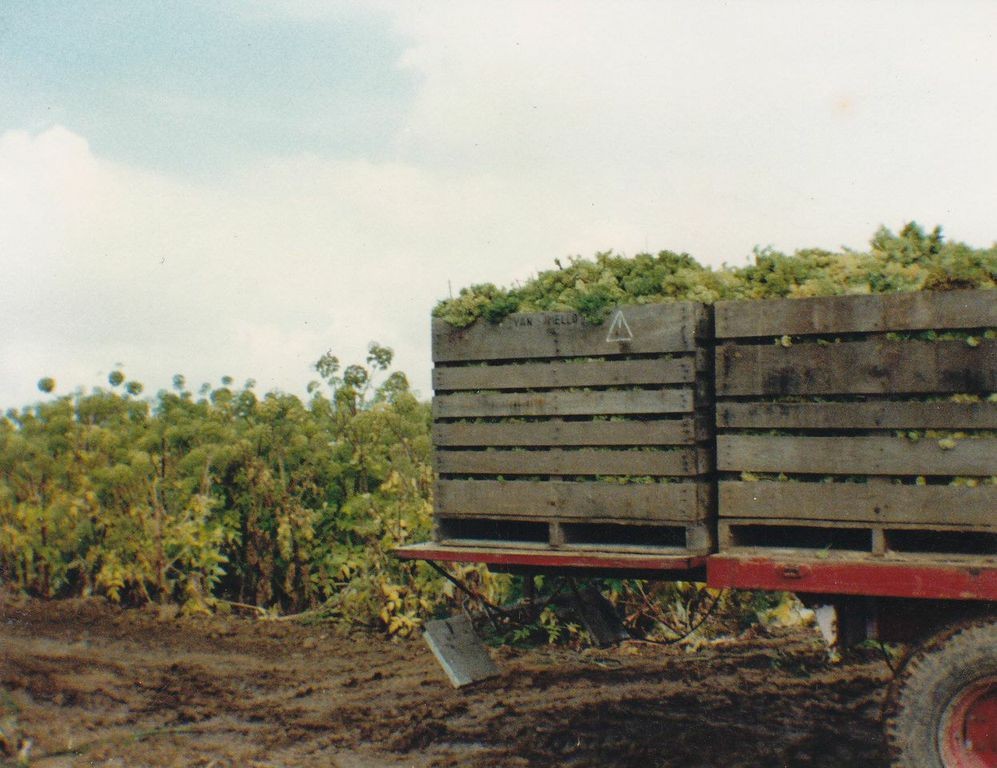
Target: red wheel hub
{"points": [[969, 729]]}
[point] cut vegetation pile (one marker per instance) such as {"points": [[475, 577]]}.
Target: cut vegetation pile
{"points": [[909, 261]]}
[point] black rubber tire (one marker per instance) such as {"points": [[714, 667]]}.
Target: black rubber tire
{"points": [[929, 682]]}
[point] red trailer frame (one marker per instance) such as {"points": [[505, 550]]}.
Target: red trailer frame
{"points": [[838, 576], [833, 575]]}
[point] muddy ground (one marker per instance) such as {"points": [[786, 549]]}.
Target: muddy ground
{"points": [[88, 684]]}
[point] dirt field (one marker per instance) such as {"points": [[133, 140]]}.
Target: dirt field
{"points": [[93, 685]]}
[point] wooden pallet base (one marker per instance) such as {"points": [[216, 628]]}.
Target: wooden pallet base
{"points": [[833, 536], [682, 538]]}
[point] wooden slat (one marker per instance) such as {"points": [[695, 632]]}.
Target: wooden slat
{"points": [[861, 367], [569, 433], [553, 500], [921, 310], [652, 328], [580, 374], [881, 415], [855, 455], [821, 539], [888, 504], [586, 461], [562, 403]]}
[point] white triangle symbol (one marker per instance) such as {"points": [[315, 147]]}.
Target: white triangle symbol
{"points": [[619, 329]]}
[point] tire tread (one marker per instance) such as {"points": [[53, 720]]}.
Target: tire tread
{"points": [[955, 652]]}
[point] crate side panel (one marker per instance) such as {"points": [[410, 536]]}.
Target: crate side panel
{"points": [[684, 431], [855, 502], [921, 310], [553, 500], [679, 462], [597, 373], [867, 416], [856, 455], [563, 403], [651, 328], [861, 367]]}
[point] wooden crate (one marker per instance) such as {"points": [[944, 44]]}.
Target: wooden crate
{"points": [[822, 410], [551, 432]]}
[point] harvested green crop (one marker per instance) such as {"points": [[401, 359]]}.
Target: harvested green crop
{"points": [[909, 261]]}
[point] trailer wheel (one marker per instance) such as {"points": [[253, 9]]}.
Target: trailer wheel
{"points": [[942, 711]]}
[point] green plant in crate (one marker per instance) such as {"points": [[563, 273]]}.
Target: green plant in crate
{"points": [[910, 260]]}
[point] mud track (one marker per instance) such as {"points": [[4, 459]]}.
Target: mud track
{"points": [[93, 685]]}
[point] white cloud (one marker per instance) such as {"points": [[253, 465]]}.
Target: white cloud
{"points": [[538, 130], [254, 277]]}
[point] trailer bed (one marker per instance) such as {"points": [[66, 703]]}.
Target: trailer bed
{"points": [[954, 579]]}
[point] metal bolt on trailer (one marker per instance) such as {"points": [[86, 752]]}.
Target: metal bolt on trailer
{"points": [[808, 466]]}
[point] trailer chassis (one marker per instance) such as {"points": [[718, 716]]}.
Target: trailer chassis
{"points": [[941, 710]]}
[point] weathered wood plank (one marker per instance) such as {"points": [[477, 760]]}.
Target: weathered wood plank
{"points": [[554, 500], [887, 504], [569, 433], [646, 329], [459, 650], [881, 415], [855, 455], [682, 431], [586, 461], [563, 403], [580, 374], [860, 367], [922, 310], [692, 539]]}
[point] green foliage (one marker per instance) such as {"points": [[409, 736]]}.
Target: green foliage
{"points": [[908, 261], [269, 500]]}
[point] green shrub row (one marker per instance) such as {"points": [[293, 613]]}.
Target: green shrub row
{"points": [[226, 495]]}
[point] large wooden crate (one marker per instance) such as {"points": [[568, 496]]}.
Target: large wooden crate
{"points": [[551, 432], [863, 424]]}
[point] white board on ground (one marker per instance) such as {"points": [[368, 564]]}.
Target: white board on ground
{"points": [[459, 650]]}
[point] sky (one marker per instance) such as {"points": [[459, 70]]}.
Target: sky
{"points": [[234, 188]]}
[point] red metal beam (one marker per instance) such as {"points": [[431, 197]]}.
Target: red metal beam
{"points": [[549, 558], [945, 581]]}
